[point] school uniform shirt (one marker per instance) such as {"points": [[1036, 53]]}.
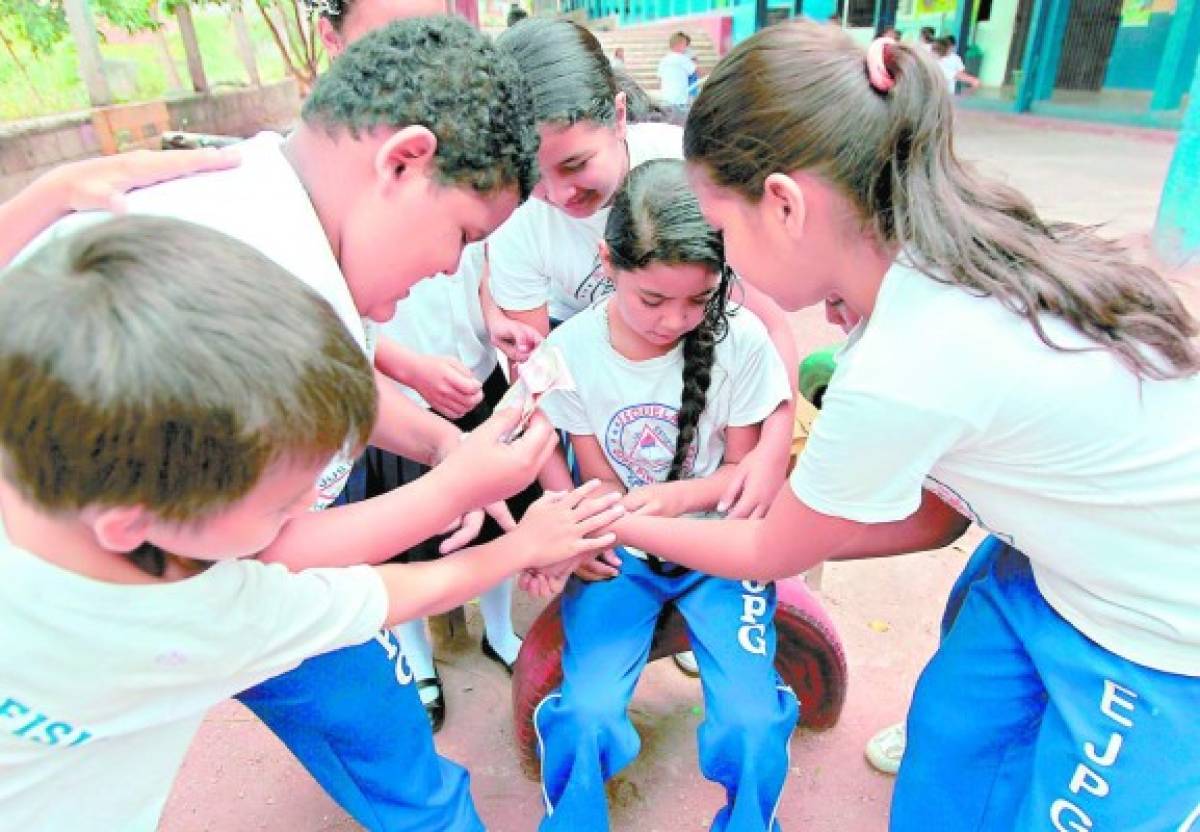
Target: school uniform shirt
{"points": [[675, 71], [1067, 456], [632, 407], [263, 203], [540, 255], [442, 316], [103, 686], [951, 65]]}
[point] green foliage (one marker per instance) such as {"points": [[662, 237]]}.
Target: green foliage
{"points": [[39, 24], [54, 86]]}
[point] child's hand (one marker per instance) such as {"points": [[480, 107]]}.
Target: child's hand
{"points": [[515, 339], [447, 385], [490, 470], [757, 480], [563, 526], [657, 499], [465, 529], [603, 568], [100, 184]]}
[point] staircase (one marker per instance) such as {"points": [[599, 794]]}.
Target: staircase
{"points": [[645, 46]]}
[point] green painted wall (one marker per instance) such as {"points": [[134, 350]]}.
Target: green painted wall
{"points": [[994, 36]]}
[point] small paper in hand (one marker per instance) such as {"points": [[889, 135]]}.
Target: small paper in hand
{"points": [[544, 372]]}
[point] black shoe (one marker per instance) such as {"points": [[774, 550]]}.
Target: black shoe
{"points": [[491, 653], [435, 708]]}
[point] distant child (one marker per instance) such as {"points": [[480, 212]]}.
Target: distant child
{"points": [[170, 396], [675, 71], [671, 392], [952, 66]]}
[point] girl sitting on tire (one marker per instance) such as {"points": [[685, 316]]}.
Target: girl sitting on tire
{"points": [[670, 393]]}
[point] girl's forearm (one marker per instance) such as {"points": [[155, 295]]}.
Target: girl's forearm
{"points": [[775, 436], [394, 361], [791, 539]]}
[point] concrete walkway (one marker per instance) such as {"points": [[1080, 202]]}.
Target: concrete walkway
{"points": [[238, 777]]}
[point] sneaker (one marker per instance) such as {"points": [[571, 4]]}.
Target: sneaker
{"points": [[885, 750], [434, 700], [686, 662]]}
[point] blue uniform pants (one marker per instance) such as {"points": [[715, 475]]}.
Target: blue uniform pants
{"points": [[353, 718], [1020, 722], [585, 736]]}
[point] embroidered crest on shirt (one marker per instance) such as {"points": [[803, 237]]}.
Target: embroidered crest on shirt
{"points": [[641, 440]]}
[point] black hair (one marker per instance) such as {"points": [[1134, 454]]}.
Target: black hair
{"points": [[440, 73], [569, 76], [656, 218], [515, 15]]}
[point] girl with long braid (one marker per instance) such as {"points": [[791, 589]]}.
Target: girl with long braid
{"points": [[671, 391]]}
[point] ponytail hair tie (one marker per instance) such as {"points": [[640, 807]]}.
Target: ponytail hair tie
{"points": [[881, 56]]}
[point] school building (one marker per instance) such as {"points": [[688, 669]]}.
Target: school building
{"points": [[1123, 61]]}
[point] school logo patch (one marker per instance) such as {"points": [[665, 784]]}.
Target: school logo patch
{"points": [[641, 440]]}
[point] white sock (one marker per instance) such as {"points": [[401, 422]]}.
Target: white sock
{"points": [[418, 651], [496, 606]]}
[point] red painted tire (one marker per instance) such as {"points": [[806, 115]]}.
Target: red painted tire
{"points": [[809, 657]]}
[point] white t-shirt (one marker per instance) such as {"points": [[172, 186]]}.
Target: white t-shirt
{"points": [[632, 407], [262, 203], [1091, 474], [102, 686], [951, 65], [541, 255], [674, 73], [442, 316]]}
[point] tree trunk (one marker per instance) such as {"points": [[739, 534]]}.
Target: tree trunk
{"points": [[164, 51], [87, 46], [245, 46], [187, 31]]}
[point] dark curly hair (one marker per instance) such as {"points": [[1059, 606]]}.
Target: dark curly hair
{"points": [[442, 74]]}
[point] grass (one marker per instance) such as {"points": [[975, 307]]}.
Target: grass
{"points": [[136, 69]]}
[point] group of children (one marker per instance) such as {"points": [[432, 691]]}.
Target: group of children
{"points": [[182, 385]]}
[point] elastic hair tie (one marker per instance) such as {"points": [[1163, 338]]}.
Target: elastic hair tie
{"points": [[880, 54]]}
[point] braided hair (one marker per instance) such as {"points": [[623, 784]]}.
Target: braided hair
{"points": [[656, 218]]}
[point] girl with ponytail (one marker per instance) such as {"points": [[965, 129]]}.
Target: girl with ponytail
{"points": [[1015, 372], [671, 391]]}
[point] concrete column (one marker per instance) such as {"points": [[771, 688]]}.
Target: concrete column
{"points": [[1043, 48], [87, 46], [1172, 79], [1177, 230]]}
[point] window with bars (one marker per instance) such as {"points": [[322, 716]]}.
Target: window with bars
{"points": [[860, 13]]}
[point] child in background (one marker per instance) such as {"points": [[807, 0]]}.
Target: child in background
{"points": [[1021, 373], [671, 392], [675, 71], [952, 66], [157, 432]]}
